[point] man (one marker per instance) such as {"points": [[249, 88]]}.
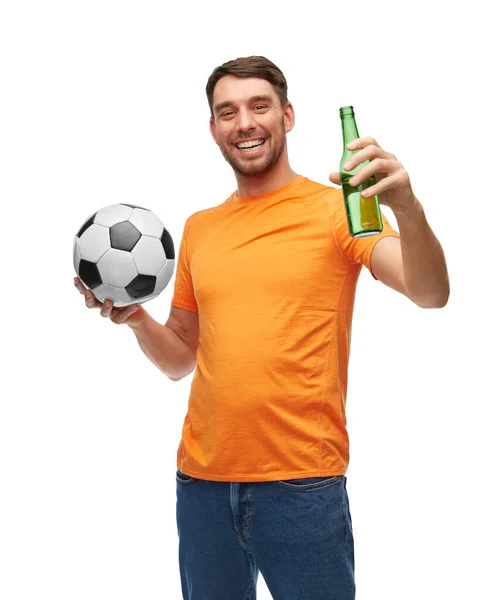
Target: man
{"points": [[262, 307]]}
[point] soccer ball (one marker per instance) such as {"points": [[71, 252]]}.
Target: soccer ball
{"points": [[124, 253]]}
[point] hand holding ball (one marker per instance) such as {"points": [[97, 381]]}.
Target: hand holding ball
{"points": [[125, 254]]}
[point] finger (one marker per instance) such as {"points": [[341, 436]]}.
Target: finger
{"points": [[387, 183], [91, 301], [106, 308], [380, 165], [367, 153], [78, 285], [335, 178], [362, 143]]}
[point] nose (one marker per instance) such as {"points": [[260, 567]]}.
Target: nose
{"points": [[246, 120]]}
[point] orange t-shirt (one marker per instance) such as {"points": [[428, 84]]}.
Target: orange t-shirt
{"points": [[273, 279]]}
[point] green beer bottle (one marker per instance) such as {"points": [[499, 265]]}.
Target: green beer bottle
{"points": [[363, 214]]}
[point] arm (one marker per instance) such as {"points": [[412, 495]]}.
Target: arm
{"points": [[424, 264], [414, 264], [166, 346], [172, 347]]}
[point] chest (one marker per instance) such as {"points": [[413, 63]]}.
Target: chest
{"points": [[267, 258]]}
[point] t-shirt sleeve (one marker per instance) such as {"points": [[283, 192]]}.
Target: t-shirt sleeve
{"points": [[183, 294], [356, 250]]}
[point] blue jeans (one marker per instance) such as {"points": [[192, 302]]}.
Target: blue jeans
{"points": [[297, 533]]}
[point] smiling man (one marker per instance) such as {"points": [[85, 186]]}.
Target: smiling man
{"points": [[271, 273], [262, 313]]}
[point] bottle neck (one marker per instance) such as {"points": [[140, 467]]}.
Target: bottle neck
{"points": [[349, 127], [350, 133]]}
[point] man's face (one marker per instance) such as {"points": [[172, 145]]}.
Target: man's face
{"points": [[247, 110]]}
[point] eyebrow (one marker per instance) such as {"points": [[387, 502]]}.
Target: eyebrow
{"points": [[263, 98]]}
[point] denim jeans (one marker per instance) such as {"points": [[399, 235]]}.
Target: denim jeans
{"points": [[297, 533]]}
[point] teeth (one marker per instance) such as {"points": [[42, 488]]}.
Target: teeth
{"points": [[250, 144]]}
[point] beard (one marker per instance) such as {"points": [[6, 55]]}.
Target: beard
{"points": [[256, 167]]}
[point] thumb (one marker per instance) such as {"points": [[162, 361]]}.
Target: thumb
{"points": [[335, 178]]}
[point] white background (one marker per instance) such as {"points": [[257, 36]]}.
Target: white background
{"points": [[104, 102]]}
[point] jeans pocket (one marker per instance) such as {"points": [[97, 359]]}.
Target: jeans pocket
{"points": [[183, 478], [309, 483]]}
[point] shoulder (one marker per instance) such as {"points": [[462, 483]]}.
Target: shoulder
{"points": [[330, 195], [315, 188]]}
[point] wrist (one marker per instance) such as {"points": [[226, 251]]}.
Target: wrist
{"points": [[412, 213], [137, 319]]}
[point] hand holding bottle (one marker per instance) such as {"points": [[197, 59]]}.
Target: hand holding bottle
{"points": [[392, 181]]}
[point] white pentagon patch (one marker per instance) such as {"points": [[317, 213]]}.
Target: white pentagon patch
{"points": [[119, 296], [94, 242], [164, 276], [117, 268], [113, 214], [148, 255], [147, 222]]}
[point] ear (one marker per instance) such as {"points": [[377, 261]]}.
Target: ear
{"points": [[289, 117], [212, 129]]}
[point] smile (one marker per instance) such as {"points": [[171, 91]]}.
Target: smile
{"points": [[250, 147]]}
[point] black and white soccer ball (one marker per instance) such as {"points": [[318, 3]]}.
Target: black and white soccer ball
{"points": [[124, 253]]}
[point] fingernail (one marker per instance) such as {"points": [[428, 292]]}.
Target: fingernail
{"points": [[347, 165]]}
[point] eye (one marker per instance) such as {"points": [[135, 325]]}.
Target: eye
{"points": [[227, 113], [260, 107]]}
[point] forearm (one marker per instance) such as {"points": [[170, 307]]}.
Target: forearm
{"points": [[425, 270], [162, 346]]}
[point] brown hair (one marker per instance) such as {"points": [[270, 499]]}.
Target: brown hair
{"points": [[250, 66]]}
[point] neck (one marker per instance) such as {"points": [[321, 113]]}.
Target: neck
{"points": [[251, 186]]}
